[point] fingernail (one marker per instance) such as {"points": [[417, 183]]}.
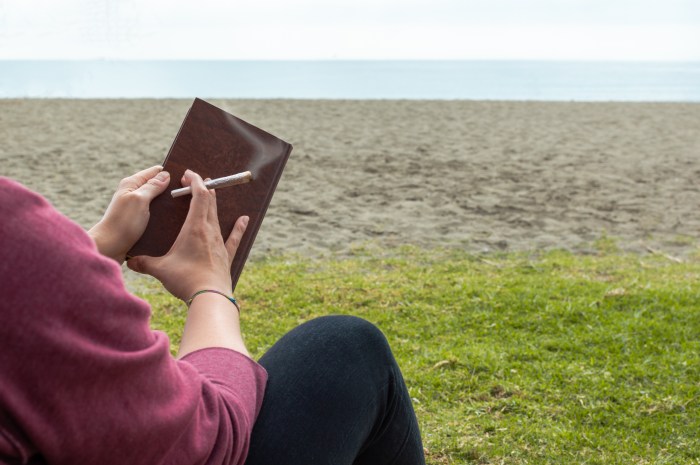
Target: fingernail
{"points": [[162, 176], [245, 220]]}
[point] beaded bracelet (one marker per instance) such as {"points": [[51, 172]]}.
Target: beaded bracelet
{"points": [[230, 298]]}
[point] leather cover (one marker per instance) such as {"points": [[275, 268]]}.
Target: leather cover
{"points": [[214, 144]]}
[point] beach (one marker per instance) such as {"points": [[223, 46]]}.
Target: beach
{"points": [[481, 176]]}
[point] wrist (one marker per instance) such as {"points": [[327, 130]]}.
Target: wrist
{"points": [[213, 293], [104, 243], [213, 285], [212, 322]]}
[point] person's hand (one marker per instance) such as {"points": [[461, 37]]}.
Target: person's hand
{"points": [[127, 214], [199, 259]]}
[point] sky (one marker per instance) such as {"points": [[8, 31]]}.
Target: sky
{"points": [[636, 30]]}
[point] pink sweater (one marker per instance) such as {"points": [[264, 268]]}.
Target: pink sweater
{"points": [[83, 378]]}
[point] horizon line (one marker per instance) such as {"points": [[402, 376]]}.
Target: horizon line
{"points": [[558, 60]]}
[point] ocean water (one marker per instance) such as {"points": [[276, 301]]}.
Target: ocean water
{"points": [[475, 80]]}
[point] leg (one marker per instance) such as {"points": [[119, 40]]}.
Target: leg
{"points": [[335, 396]]}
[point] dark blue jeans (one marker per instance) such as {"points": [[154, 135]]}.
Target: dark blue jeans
{"points": [[335, 396]]}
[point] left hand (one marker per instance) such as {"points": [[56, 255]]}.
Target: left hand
{"points": [[200, 258], [127, 214]]}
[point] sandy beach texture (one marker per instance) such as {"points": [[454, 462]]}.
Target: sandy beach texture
{"points": [[481, 176]]}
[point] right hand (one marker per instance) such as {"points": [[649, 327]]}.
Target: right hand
{"points": [[199, 258]]}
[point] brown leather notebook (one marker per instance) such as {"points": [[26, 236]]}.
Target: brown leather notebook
{"points": [[215, 144]]}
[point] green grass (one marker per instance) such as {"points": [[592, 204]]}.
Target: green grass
{"points": [[514, 359]]}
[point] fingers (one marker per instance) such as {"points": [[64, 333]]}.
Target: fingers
{"points": [[235, 237], [137, 180], [199, 205], [155, 186], [212, 215]]}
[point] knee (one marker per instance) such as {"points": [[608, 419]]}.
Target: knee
{"points": [[349, 326], [353, 334]]}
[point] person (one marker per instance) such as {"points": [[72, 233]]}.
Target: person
{"points": [[83, 378]]}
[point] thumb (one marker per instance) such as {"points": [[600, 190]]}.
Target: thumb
{"points": [[143, 264], [155, 186]]}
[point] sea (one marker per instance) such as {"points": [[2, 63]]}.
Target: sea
{"points": [[339, 79]]}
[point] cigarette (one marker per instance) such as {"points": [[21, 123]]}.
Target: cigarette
{"points": [[218, 183]]}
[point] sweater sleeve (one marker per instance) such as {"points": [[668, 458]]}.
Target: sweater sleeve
{"points": [[83, 378]]}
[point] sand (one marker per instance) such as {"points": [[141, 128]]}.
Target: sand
{"points": [[482, 176]]}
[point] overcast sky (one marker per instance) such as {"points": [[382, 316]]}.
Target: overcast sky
{"points": [[351, 29]]}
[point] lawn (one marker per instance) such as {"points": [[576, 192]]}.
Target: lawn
{"points": [[518, 358]]}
